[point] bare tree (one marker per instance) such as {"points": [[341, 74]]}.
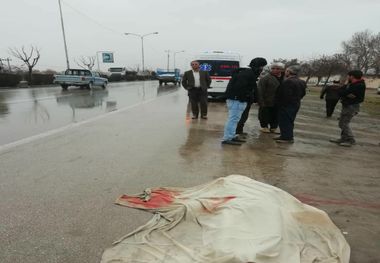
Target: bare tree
{"points": [[334, 66], [376, 54], [287, 62], [86, 62], [361, 48], [345, 60], [307, 70], [30, 58], [324, 67]]}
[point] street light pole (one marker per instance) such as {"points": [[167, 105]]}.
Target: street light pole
{"points": [[142, 54], [64, 36], [142, 45], [168, 51], [176, 52]]}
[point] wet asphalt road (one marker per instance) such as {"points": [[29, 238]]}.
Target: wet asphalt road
{"points": [[29, 112], [57, 190]]}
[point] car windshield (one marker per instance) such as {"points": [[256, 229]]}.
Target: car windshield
{"points": [[78, 72], [221, 68]]}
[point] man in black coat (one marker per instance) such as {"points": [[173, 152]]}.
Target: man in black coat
{"points": [[351, 95], [331, 94], [257, 65], [288, 100], [239, 93]]}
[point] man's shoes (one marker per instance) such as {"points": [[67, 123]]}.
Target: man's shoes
{"points": [[346, 144], [279, 139], [237, 139], [285, 141], [194, 117], [336, 140], [204, 117], [231, 142], [274, 131], [265, 130], [242, 133]]}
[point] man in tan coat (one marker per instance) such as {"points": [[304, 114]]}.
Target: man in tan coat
{"points": [[197, 82]]}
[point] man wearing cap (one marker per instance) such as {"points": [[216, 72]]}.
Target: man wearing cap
{"points": [[196, 82], [288, 100], [267, 87], [351, 96], [239, 93]]}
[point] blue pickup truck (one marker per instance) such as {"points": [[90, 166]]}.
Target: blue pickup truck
{"points": [[169, 76], [81, 78]]}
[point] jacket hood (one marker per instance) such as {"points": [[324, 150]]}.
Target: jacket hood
{"points": [[258, 62]]}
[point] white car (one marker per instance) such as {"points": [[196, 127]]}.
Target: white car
{"points": [[81, 78]]}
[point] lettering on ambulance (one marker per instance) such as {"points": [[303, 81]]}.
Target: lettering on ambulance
{"points": [[219, 67]]}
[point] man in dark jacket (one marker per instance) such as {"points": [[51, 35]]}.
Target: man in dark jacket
{"points": [[351, 95], [196, 82], [288, 100], [257, 65], [331, 94], [239, 93]]}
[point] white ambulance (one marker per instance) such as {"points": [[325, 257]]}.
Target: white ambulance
{"points": [[220, 65]]}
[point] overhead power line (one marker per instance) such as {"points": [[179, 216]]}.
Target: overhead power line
{"points": [[90, 18]]}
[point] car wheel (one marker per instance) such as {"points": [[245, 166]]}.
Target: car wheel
{"points": [[64, 87], [104, 86], [89, 86], [160, 82]]}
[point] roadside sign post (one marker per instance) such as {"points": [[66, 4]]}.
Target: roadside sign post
{"points": [[107, 57]]}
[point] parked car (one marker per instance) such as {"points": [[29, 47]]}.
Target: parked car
{"points": [[80, 78], [169, 76], [116, 73]]}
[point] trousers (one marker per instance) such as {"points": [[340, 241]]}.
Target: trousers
{"points": [[235, 110], [198, 99], [268, 117], [286, 117], [346, 115]]}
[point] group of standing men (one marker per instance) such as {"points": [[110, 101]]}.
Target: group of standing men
{"points": [[278, 94]]}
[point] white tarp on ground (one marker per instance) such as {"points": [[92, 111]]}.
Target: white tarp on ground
{"points": [[231, 219]]}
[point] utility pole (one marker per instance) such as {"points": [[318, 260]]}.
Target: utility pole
{"points": [[64, 36], [174, 53], [8, 60], [142, 45], [168, 51]]}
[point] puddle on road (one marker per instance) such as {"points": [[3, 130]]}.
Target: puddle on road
{"points": [[28, 112]]}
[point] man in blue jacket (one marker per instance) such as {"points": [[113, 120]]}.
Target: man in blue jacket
{"points": [[351, 95]]}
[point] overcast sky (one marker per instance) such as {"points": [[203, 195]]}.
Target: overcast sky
{"points": [[271, 28]]}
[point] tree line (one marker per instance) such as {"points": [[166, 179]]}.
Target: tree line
{"points": [[361, 52]]}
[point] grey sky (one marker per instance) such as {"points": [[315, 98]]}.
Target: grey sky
{"points": [[272, 28]]}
